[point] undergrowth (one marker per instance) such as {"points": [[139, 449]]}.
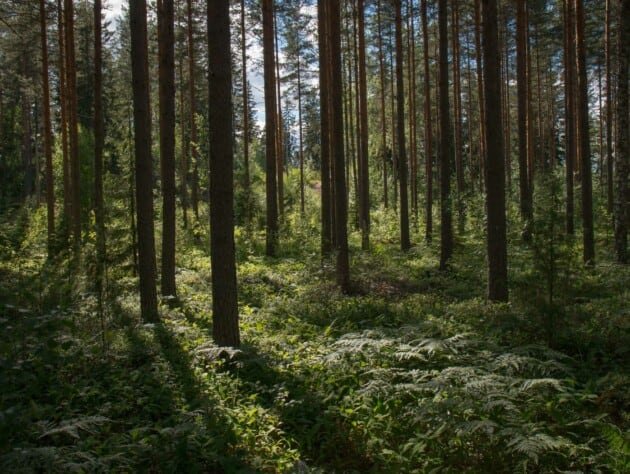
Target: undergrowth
{"points": [[412, 372]]}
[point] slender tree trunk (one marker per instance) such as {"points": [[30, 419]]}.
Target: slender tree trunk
{"points": [[411, 71], [325, 158], [392, 102], [300, 132], [569, 94], [523, 101], [351, 104], [133, 228], [540, 159], [457, 116], [184, 147], [50, 190], [271, 111], [428, 127], [246, 178], [166, 52], [27, 141], [279, 119], [225, 329], [480, 88], [194, 191], [63, 106], [622, 161], [609, 113], [600, 123], [584, 140], [341, 211], [405, 244], [143, 162], [356, 128], [364, 177], [71, 89], [381, 62], [99, 144], [495, 164], [445, 151], [553, 149], [506, 107], [470, 117]]}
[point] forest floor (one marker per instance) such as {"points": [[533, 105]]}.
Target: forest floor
{"points": [[413, 372]]}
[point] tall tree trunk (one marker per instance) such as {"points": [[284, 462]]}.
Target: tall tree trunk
{"points": [[246, 178], [71, 90], [225, 329], [300, 132], [99, 143], [445, 151], [271, 111], [63, 106], [622, 161], [413, 122], [336, 137], [588, 238], [356, 128], [143, 162], [184, 147], [194, 155], [428, 127], [392, 102], [325, 157], [480, 87], [609, 113], [540, 158], [523, 101], [405, 244], [50, 190], [364, 178], [457, 115], [506, 106], [381, 62], [470, 114], [279, 119], [166, 52], [570, 122], [27, 142], [495, 164]]}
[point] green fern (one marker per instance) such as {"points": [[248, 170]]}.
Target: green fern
{"points": [[73, 427]]}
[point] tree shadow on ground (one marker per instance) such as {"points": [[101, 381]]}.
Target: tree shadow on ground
{"points": [[324, 438]]}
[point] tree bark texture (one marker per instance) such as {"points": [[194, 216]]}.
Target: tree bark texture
{"points": [[166, 54], [225, 330], [143, 161], [270, 128], [495, 163]]}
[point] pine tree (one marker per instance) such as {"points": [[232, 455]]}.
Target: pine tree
{"points": [[446, 149], [270, 128], [143, 162], [495, 161], [405, 243], [622, 159], [166, 53], [50, 192], [225, 330]]}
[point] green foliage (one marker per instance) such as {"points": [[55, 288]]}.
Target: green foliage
{"points": [[413, 372]]}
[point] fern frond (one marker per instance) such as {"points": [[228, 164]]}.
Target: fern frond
{"points": [[545, 383], [74, 426], [533, 445], [472, 427]]}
